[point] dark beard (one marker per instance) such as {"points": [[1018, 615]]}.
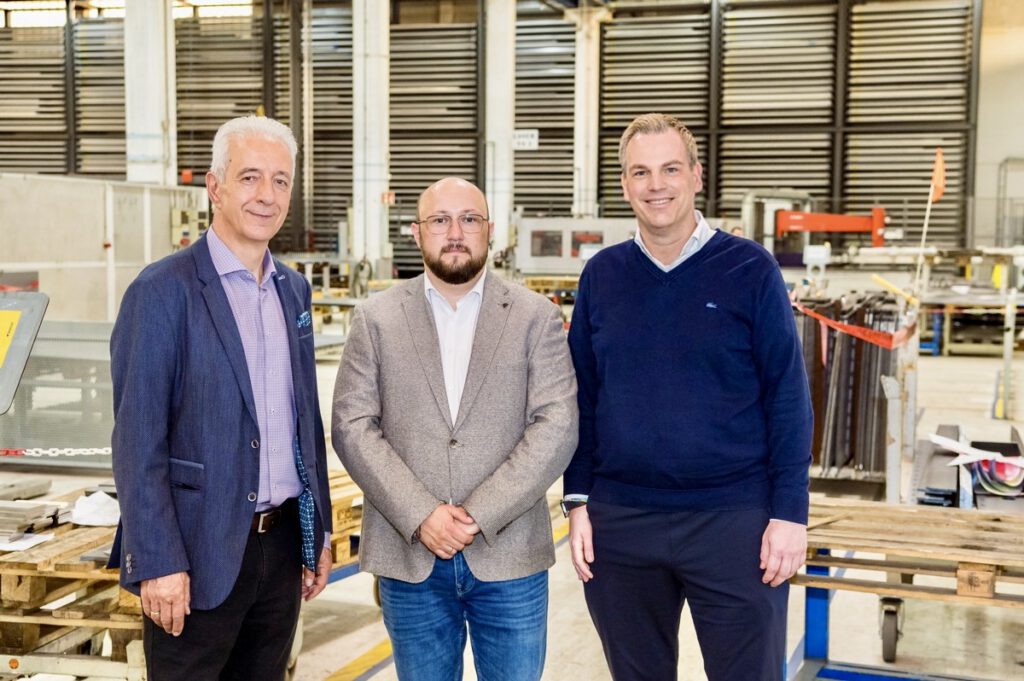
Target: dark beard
{"points": [[455, 274]]}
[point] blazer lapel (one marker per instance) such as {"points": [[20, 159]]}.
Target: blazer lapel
{"points": [[291, 307], [224, 321], [494, 310], [424, 338]]}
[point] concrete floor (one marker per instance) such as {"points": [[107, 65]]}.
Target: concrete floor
{"points": [[344, 633], [344, 638]]}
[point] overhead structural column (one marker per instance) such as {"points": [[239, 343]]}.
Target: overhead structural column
{"points": [[371, 54], [151, 121], [586, 172], [500, 114]]}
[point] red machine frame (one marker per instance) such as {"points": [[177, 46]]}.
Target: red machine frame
{"points": [[788, 221]]}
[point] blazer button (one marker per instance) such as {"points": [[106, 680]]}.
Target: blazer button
{"points": [[252, 496], [255, 444], [453, 443]]}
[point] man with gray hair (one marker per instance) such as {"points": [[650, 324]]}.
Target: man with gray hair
{"points": [[690, 481], [218, 443]]}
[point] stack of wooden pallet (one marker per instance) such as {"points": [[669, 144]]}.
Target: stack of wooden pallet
{"points": [[347, 509], [58, 597]]}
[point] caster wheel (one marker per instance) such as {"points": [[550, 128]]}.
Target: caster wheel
{"points": [[890, 635]]}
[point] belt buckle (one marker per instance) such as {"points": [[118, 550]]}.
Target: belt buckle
{"points": [[259, 527]]}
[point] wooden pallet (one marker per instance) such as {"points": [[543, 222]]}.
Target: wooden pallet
{"points": [[347, 512], [980, 553], [54, 597], [548, 285]]}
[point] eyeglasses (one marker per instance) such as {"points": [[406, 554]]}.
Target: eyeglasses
{"points": [[470, 223]]}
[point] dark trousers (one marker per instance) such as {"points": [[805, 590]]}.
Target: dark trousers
{"points": [[247, 637], [647, 564]]}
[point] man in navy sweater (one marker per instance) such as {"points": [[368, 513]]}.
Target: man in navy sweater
{"points": [[689, 482]]}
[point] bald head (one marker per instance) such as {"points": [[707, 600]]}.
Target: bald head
{"points": [[448, 189]]}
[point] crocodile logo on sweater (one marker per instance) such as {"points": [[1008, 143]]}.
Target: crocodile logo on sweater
{"points": [[711, 306]]}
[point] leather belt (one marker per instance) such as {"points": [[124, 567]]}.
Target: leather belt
{"points": [[265, 521]]}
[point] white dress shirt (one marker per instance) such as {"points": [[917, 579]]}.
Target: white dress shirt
{"points": [[455, 332], [701, 235]]}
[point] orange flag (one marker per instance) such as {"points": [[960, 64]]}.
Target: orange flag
{"points": [[938, 176]]}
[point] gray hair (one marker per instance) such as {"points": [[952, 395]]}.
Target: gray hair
{"points": [[654, 124], [243, 126]]}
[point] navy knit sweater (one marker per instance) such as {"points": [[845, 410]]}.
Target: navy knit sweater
{"points": [[692, 389]]}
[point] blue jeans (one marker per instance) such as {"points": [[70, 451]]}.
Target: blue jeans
{"points": [[427, 624]]}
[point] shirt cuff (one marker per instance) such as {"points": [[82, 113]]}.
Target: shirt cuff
{"points": [[576, 497]]}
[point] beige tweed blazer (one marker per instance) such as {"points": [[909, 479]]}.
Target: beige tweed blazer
{"points": [[514, 434]]}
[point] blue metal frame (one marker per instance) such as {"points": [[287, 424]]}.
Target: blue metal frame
{"points": [[342, 572], [935, 345], [816, 616]]}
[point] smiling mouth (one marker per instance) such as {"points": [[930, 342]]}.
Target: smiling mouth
{"points": [[657, 203]]}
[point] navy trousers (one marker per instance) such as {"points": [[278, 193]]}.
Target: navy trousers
{"points": [[648, 564]]}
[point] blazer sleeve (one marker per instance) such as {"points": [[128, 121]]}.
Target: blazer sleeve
{"points": [[388, 483], [144, 364], [549, 437], [323, 490]]}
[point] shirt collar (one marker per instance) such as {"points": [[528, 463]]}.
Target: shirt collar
{"points": [[226, 262], [701, 235], [478, 287]]}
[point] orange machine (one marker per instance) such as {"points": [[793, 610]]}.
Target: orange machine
{"points": [[788, 221]]}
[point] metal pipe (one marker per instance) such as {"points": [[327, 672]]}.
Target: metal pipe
{"points": [[70, 89], [108, 246]]}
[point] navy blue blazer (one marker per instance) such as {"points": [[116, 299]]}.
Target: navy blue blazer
{"points": [[186, 439]]}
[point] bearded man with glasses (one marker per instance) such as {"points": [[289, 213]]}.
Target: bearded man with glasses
{"points": [[455, 411]]}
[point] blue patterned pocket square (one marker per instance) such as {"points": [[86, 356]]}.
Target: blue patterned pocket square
{"points": [[304, 319]]}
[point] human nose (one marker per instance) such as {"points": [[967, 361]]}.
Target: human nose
{"points": [[656, 181], [455, 232], [265, 190]]}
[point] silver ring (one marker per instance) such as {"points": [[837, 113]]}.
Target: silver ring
{"points": [[154, 612]]}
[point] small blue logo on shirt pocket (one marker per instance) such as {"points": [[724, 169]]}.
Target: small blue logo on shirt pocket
{"points": [[711, 306], [304, 320]]}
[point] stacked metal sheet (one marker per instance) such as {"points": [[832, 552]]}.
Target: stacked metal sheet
{"points": [[219, 65], [33, 112], [545, 87], [434, 118], [99, 97], [770, 161], [332, 122], [778, 65], [650, 64], [895, 171], [910, 62], [844, 376]]}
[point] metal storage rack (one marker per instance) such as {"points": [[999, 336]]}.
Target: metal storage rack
{"points": [[545, 90], [99, 97], [435, 123], [33, 108], [651, 64]]}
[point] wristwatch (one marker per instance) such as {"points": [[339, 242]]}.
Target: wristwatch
{"points": [[569, 505]]}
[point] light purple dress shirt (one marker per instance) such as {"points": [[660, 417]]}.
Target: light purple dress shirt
{"points": [[263, 328]]}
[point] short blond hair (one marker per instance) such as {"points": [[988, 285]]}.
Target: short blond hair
{"points": [[653, 124]]}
